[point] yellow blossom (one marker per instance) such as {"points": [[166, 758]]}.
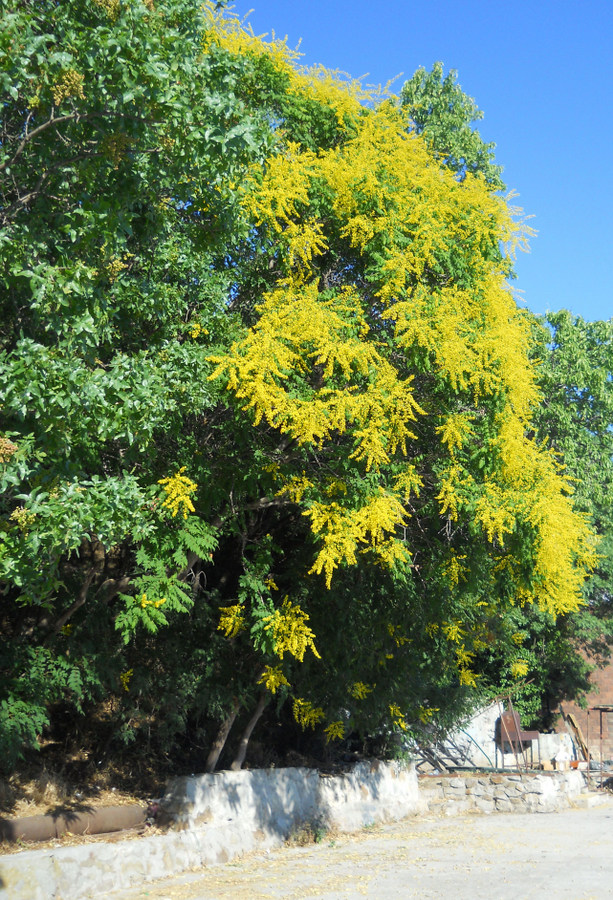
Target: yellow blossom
{"points": [[426, 713], [7, 449], [456, 430], [69, 84], [305, 714], [359, 690], [453, 631], [464, 656], [125, 678], [179, 489], [22, 518], [468, 678], [335, 731], [232, 620], [290, 632], [273, 679], [519, 668]]}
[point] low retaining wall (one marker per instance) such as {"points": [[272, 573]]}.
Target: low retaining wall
{"points": [[216, 817], [488, 793], [274, 801]]}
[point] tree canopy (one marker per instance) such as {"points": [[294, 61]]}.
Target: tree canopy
{"points": [[267, 398]]}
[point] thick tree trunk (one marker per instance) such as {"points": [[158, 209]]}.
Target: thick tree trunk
{"points": [[239, 759], [222, 736]]}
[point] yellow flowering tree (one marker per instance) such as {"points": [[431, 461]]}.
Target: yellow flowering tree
{"points": [[387, 358]]}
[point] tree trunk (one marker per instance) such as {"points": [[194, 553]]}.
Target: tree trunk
{"points": [[222, 736], [241, 753]]}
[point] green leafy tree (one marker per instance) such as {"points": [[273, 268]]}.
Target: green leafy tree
{"points": [[266, 398], [119, 140], [439, 109]]}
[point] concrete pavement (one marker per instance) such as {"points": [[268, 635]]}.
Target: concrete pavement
{"points": [[567, 855]]}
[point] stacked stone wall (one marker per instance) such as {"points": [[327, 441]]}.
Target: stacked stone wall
{"points": [[500, 792]]}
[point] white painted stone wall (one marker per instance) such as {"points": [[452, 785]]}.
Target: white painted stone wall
{"points": [[475, 739], [217, 817], [276, 800], [221, 816]]}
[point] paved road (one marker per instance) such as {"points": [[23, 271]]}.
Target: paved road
{"points": [[565, 855]]}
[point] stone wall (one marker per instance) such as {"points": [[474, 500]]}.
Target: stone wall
{"points": [[221, 816], [274, 801], [216, 818], [488, 793]]}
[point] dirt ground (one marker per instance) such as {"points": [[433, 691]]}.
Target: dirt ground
{"points": [[565, 855]]}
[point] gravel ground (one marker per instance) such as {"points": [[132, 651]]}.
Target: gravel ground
{"points": [[565, 855]]}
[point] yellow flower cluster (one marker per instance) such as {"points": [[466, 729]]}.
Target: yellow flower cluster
{"points": [[449, 496], [297, 330], [111, 7], [396, 633], [232, 620], [290, 632], [467, 678], [455, 431], [426, 713], [114, 267], [273, 679], [453, 631], [519, 668], [69, 84], [7, 449], [454, 570], [344, 532], [179, 489], [335, 731], [359, 690], [22, 518], [464, 657], [125, 679], [144, 602], [197, 330], [115, 146], [398, 716], [492, 513], [305, 714]]}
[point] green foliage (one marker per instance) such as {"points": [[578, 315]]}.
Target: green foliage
{"points": [[576, 375], [439, 109]]}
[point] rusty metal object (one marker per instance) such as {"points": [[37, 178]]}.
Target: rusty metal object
{"points": [[85, 821]]}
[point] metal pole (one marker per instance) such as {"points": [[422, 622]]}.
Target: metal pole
{"points": [[601, 762], [587, 741]]}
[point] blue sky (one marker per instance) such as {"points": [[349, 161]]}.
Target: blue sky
{"points": [[541, 71]]}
